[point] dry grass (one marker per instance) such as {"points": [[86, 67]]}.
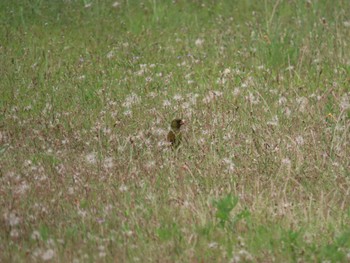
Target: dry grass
{"points": [[86, 174]]}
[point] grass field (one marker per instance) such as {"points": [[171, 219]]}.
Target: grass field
{"points": [[88, 91]]}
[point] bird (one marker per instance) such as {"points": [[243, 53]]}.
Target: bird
{"points": [[174, 136]]}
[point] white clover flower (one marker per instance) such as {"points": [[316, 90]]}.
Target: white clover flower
{"points": [[13, 219], [14, 233], [274, 121], [152, 94], [22, 188], [302, 103], [193, 98], [166, 103], [91, 158], [299, 140], [290, 68], [140, 72], [345, 102], [217, 93], [212, 245], [226, 71], [236, 92], [227, 136], [199, 42], [282, 100], [207, 99], [110, 54], [123, 188], [131, 100], [287, 112], [35, 235], [48, 255], [221, 81], [244, 85], [177, 97], [115, 4], [185, 106], [286, 161], [127, 113], [108, 163], [150, 164], [245, 255], [252, 99]]}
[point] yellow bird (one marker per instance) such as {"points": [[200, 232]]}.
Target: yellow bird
{"points": [[174, 135]]}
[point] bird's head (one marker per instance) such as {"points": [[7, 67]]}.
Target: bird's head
{"points": [[176, 124]]}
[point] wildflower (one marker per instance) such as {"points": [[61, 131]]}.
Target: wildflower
{"points": [[286, 161], [274, 121], [12, 219], [123, 188], [150, 164], [244, 85], [102, 253], [108, 163], [252, 99], [159, 132], [130, 100], [207, 99], [227, 136], [48, 255], [345, 102], [290, 68], [302, 103], [110, 54], [299, 140], [287, 112], [22, 188], [127, 113], [152, 94], [177, 97], [226, 71], [193, 98], [35, 235], [212, 245], [185, 106], [217, 93], [166, 103], [14, 233], [282, 100], [115, 4], [236, 92], [230, 165], [91, 158], [245, 255], [199, 42]]}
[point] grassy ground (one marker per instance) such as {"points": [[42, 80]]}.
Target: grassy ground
{"points": [[87, 94]]}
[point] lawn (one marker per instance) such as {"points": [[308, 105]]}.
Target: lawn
{"points": [[88, 91]]}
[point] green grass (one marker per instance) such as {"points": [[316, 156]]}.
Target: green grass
{"points": [[87, 96]]}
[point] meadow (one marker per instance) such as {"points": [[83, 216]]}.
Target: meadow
{"points": [[87, 93]]}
